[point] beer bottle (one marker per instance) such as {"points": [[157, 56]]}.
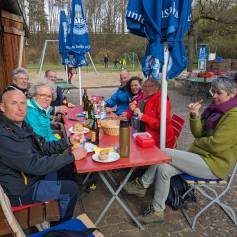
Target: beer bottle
{"points": [[85, 100], [95, 131], [90, 113]]}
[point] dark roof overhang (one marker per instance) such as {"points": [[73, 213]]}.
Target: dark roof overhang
{"points": [[14, 7]]}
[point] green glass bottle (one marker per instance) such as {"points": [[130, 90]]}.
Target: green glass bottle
{"points": [[85, 100]]}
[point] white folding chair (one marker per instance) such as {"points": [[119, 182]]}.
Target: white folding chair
{"points": [[204, 185], [10, 218]]}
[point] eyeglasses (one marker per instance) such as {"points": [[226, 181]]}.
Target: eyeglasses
{"points": [[9, 88], [23, 79], [44, 96], [213, 92]]}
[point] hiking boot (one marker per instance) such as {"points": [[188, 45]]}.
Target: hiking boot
{"points": [[135, 187], [151, 216]]}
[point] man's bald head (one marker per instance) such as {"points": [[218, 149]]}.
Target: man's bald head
{"points": [[14, 106], [124, 77]]}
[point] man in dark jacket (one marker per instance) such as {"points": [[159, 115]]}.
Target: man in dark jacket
{"points": [[51, 75], [28, 163]]}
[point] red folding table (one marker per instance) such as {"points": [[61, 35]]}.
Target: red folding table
{"points": [[138, 157]]}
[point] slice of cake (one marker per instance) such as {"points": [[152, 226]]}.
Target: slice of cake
{"points": [[78, 127], [104, 154]]}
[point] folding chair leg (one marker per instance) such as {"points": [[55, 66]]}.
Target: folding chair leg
{"points": [[216, 199], [228, 210]]}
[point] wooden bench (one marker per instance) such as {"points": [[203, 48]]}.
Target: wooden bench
{"points": [[30, 215]]}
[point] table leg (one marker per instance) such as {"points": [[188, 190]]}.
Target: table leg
{"points": [[111, 178], [86, 178], [115, 196]]}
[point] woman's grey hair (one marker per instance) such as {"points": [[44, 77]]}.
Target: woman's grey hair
{"points": [[156, 83], [43, 83], [226, 83], [17, 71]]}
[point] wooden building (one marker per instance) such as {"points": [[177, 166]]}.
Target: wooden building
{"points": [[13, 30]]}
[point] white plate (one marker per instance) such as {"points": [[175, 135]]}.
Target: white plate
{"points": [[113, 156], [86, 130], [89, 147]]}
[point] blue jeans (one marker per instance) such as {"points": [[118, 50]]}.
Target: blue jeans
{"points": [[50, 188]]}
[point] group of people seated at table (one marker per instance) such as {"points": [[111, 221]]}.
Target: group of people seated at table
{"points": [[33, 160], [213, 153]]}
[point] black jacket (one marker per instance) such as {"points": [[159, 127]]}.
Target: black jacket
{"points": [[59, 99], [24, 91], [25, 157]]}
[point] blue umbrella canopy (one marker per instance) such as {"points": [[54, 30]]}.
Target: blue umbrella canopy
{"points": [[62, 36], [161, 21], [78, 42]]}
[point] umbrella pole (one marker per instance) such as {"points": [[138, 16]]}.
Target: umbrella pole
{"points": [[79, 79], [164, 97], [67, 72]]}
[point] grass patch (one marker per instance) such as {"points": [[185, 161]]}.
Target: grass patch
{"points": [[99, 68]]}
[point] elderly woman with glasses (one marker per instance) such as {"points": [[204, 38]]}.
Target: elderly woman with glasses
{"points": [[38, 109], [212, 154], [148, 110], [20, 78]]}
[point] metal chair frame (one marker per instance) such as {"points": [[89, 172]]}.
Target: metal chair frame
{"points": [[215, 198]]}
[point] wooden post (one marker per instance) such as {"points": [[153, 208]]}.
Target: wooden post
{"points": [[21, 46]]}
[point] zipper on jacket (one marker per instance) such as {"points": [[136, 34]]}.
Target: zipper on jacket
{"points": [[25, 178]]}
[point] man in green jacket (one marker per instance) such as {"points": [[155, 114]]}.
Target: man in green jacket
{"points": [[212, 154]]}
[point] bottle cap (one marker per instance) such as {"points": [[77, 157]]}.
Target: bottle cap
{"points": [[124, 123]]}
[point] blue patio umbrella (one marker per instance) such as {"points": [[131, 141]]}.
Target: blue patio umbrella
{"points": [[163, 23], [158, 21], [77, 42], [62, 36]]}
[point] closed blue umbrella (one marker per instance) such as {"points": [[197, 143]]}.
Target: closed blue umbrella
{"points": [[62, 37], [78, 42], [163, 23], [158, 21], [78, 36]]}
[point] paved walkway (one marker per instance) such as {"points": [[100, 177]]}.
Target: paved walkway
{"points": [[117, 224]]}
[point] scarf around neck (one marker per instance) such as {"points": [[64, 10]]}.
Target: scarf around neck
{"points": [[213, 113]]}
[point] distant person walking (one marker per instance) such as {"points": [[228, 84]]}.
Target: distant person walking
{"points": [[123, 63], [116, 62], [106, 61], [69, 73]]}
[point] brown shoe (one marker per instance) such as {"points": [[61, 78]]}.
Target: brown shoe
{"points": [[151, 216], [135, 187]]}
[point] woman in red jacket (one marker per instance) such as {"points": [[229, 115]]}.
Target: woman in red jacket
{"points": [[151, 107]]}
